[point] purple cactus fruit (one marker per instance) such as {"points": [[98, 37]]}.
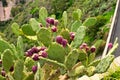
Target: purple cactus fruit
{"points": [[34, 69], [72, 35], [64, 42], [28, 53], [52, 21], [110, 45], [55, 22], [92, 49], [42, 48], [3, 73], [11, 69], [47, 25], [44, 54], [84, 45], [59, 39], [48, 20], [34, 50], [35, 57], [54, 29]]}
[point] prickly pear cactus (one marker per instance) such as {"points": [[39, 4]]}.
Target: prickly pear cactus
{"points": [[95, 62], [4, 45], [18, 70], [90, 22], [66, 34], [20, 47], [75, 26], [82, 55], [15, 28], [53, 62], [7, 60], [56, 52], [79, 36], [44, 36], [104, 64], [77, 14], [27, 30], [29, 63], [64, 18], [71, 59], [34, 24], [43, 15]]}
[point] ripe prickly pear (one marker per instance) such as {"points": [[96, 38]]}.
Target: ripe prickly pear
{"points": [[110, 45], [35, 57], [42, 48], [34, 50], [34, 69], [12, 68], [54, 28], [51, 21], [84, 45], [44, 54], [48, 20], [28, 54], [0, 61], [64, 42], [3, 73], [59, 39], [92, 49], [72, 35]]}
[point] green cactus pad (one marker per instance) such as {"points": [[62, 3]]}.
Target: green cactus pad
{"points": [[91, 57], [90, 22], [15, 28], [4, 45], [64, 18], [53, 62], [29, 63], [75, 26], [2, 78], [30, 76], [27, 30], [7, 60], [71, 59], [56, 52], [43, 15], [95, 62], [44, 36], [104, 64], [18, 70], [79, 36], [66, 34], [77, 14], [34, 24], [82, 55], [20, 47]]}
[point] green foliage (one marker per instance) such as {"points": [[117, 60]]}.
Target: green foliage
{"points": [[90, 22], [2, 78], [64, 18], [18, 70], [34, 24], [27, 30], [44, 36], [79, 36], [104, 64], [77, 14], [20, 47], [56, 52], [7, 60], [4, 45], [71, 59], [43, 15], [75, 26], [15, 28]]}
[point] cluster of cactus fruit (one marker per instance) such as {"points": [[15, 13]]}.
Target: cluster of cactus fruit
{"points": [[60, 53]]}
